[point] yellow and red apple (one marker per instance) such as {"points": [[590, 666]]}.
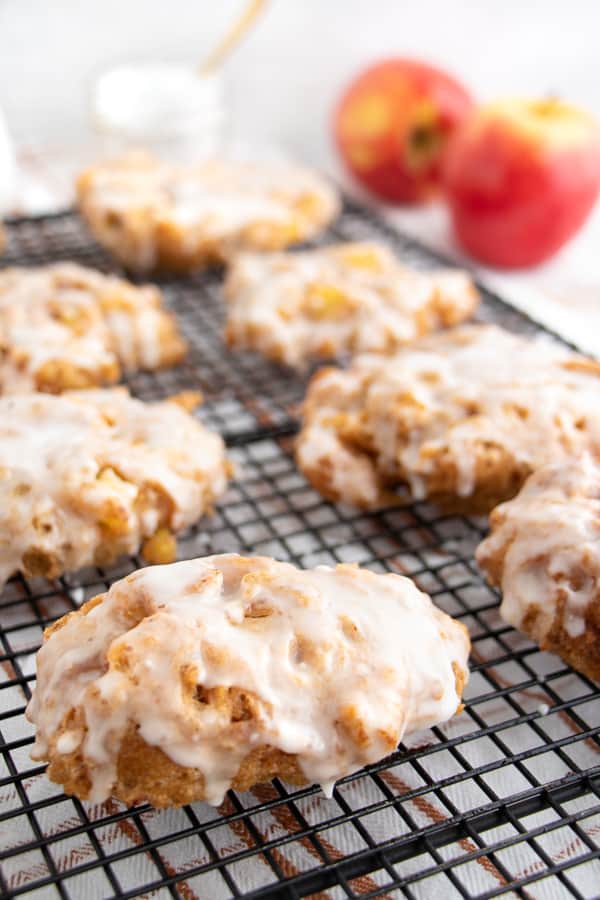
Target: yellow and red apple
{"points": [[392, 126], [521, 177]]}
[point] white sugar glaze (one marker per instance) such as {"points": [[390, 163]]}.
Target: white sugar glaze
{"points": [[339, 299], [75, 315], [453, 391], [549, 540], [330, 646], [71, 462], [213, 201]]}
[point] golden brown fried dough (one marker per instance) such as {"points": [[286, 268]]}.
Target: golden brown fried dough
{"points": [[155, 216], [346, 298], [461, 417], [88, 476], [185, 680], [66, 327], [543, 552]]}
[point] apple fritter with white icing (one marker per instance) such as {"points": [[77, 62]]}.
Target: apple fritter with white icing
{"points": [[462, 417], [156, 216], [185, 680], [88, 476], [543, 553], [65, 326], [346, 298]]}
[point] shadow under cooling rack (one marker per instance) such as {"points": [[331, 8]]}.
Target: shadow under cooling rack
{"points": [[502, 800]]}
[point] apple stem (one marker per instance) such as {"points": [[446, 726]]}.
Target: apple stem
{"points": [[548, 107]]}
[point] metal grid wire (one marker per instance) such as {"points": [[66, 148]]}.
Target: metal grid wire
{"points": [[502, 800]]}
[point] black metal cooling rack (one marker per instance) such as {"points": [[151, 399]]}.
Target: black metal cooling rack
{"points": [[501, 801]]}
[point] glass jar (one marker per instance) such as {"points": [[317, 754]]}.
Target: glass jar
{"points": [[8, 168], [169, 109]]}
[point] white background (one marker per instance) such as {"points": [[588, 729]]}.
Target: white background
{"points": [[286, 77]]}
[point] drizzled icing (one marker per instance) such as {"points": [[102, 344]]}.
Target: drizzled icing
{"points": [[544, 547], [294, 307], [341, 662], [450, 394], [91, 474], [77, 317], [217, 202]]}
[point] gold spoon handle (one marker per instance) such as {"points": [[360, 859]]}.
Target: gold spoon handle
{"points": [[232, 38]]}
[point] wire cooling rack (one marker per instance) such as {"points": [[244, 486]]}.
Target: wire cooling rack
{"points": [[503, 800]]}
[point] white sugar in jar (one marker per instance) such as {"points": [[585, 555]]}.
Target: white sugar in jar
{"points": [[169, 109]]}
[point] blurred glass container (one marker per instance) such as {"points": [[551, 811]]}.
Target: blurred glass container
{"points": [[171, 110], [8, 167]]}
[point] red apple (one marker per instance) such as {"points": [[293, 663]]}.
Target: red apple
{"points": [[521, 178], [392, 126]]}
